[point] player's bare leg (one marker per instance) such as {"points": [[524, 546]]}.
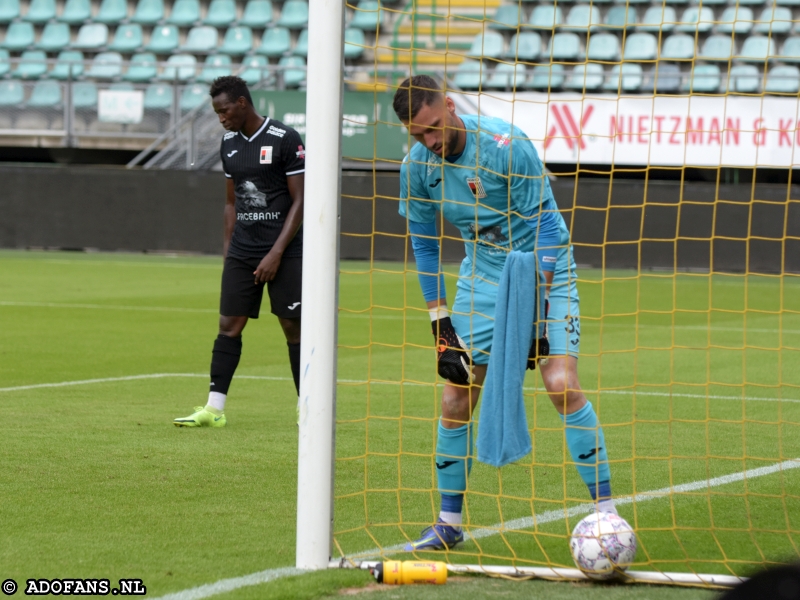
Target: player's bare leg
{"points": [[459, 401]]}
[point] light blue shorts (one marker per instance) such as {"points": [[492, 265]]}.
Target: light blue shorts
{"points": [[474, 308]]}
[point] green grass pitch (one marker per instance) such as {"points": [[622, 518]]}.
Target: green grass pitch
{"points": [[700, 379]]}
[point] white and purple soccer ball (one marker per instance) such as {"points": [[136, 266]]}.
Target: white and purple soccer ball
{"points": [[603, 545]]}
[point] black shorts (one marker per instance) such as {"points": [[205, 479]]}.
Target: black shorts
{"points": [[241, 296]]}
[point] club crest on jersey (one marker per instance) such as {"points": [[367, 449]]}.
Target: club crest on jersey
{"points": [[502, 140], [476, 186], [266, 155], [301, 152]]}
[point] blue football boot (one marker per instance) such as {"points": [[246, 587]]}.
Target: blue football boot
{"points": [[436, 537]]}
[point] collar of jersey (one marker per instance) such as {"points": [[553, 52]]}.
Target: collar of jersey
{"points": [[260, 129]]}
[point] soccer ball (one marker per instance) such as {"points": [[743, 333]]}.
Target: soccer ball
{"points": [[603, 545]]}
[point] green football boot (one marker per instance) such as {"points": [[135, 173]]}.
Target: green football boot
{"points": [[203, 416]]}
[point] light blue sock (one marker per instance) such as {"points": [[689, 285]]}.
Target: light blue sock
{"points": [[453, 458], [587, 446]]}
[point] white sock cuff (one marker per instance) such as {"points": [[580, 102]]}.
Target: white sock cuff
{"points": [[440, 312], [217, 400]]}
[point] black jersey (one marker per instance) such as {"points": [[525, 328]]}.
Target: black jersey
{"points": [[259, 166]]}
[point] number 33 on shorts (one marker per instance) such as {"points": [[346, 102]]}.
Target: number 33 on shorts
{"points": [[573, 329]]}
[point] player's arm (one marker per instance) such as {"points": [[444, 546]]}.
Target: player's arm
{"points": [[228, 216]]}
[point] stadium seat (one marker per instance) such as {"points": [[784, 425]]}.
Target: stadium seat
{"points": [[603, 47], [588, 77], [112, 12], [525, 46], [158, 96], [148, 12], [5, 65], [546, 17], [127, 38], [184, 13], [301, 46], [180, 67], [54, 38], [193, 96], [470, 75], [221, 13], [783, 80], [704, 79], [163, 39], [658, 18], [69, 65], [791, 50], [717, 48], [507, 76], [677, 1], [508, 16], [19, 36], [735, 19], [641, 46], [257, 14], [774, 20], [32, 65], [626, 77], [142, 67], [84, 95], [293, 69], [9, 10], [255, 70], [666, 78], [200, 39], [106, 65], [486, 45], [46, 94], [620, 17], [583, 17], [275, 42], [788, 2], [744, 79], [679, 46], [564, 46], [547, 77], [354, 42], [40, 11], [76, 12], [368, 16], [294, 15], [12, 93], [757, 49], [215, 65], [696, 18], [238, 40], [91, 37]]}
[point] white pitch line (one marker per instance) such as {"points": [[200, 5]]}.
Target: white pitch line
{"points": [[109, 307]]}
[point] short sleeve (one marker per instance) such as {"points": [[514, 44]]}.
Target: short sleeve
{"points": [[293, 153], [414, 202], [222, 158]]}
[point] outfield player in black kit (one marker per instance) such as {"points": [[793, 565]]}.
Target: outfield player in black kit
{"points": [[264, 161]]}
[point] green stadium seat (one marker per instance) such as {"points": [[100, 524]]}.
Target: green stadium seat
{"points": [[128, 38], [744, 79], [584, 17], [158, 96], [294, 14], [106, 65], [696, 18], [142, 67], [112, 12], [735, 19], [626, 77], [193, 96], [783, 80], [69, 65], [54, 38], [676, 1], [620, 18], [525, 46], [791, 50], [19, 36], [275, 42], [32, 65], [215, 65], [546, 17], [603, 47], [257, 14], [585, 77], [255, 70], [547, 77], [757, 49], [200, 39], [293, 69], [40, 11], [666, 77], [787, 2], [180, 67], [238, 40], [84, 95], [704, 79], [507, 76], [679, 46], [5, 65], [301, 46], [367, 16], [148, 12], [564, 46], [9, 10], [508, 16], [46, 94], [184, 13], [163, 39], [354, 43], [640, 46], [221, 13], [470, 75], [12, 93], [92, 36], [658, 18], [717, 48], [486, 45], [76, 12], [774, 20]]}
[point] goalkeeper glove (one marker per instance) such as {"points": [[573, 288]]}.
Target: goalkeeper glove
{"points": [[542, 348], [452, 357]]}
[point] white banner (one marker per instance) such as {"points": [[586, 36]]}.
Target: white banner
{"points": [[120, 106], [665, 130]]}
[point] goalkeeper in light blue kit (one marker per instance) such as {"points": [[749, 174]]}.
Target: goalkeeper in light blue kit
{"points": [[485, 177]]}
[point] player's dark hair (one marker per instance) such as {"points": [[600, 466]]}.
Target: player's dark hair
{"points": [[413, 94], [232, 86]]}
